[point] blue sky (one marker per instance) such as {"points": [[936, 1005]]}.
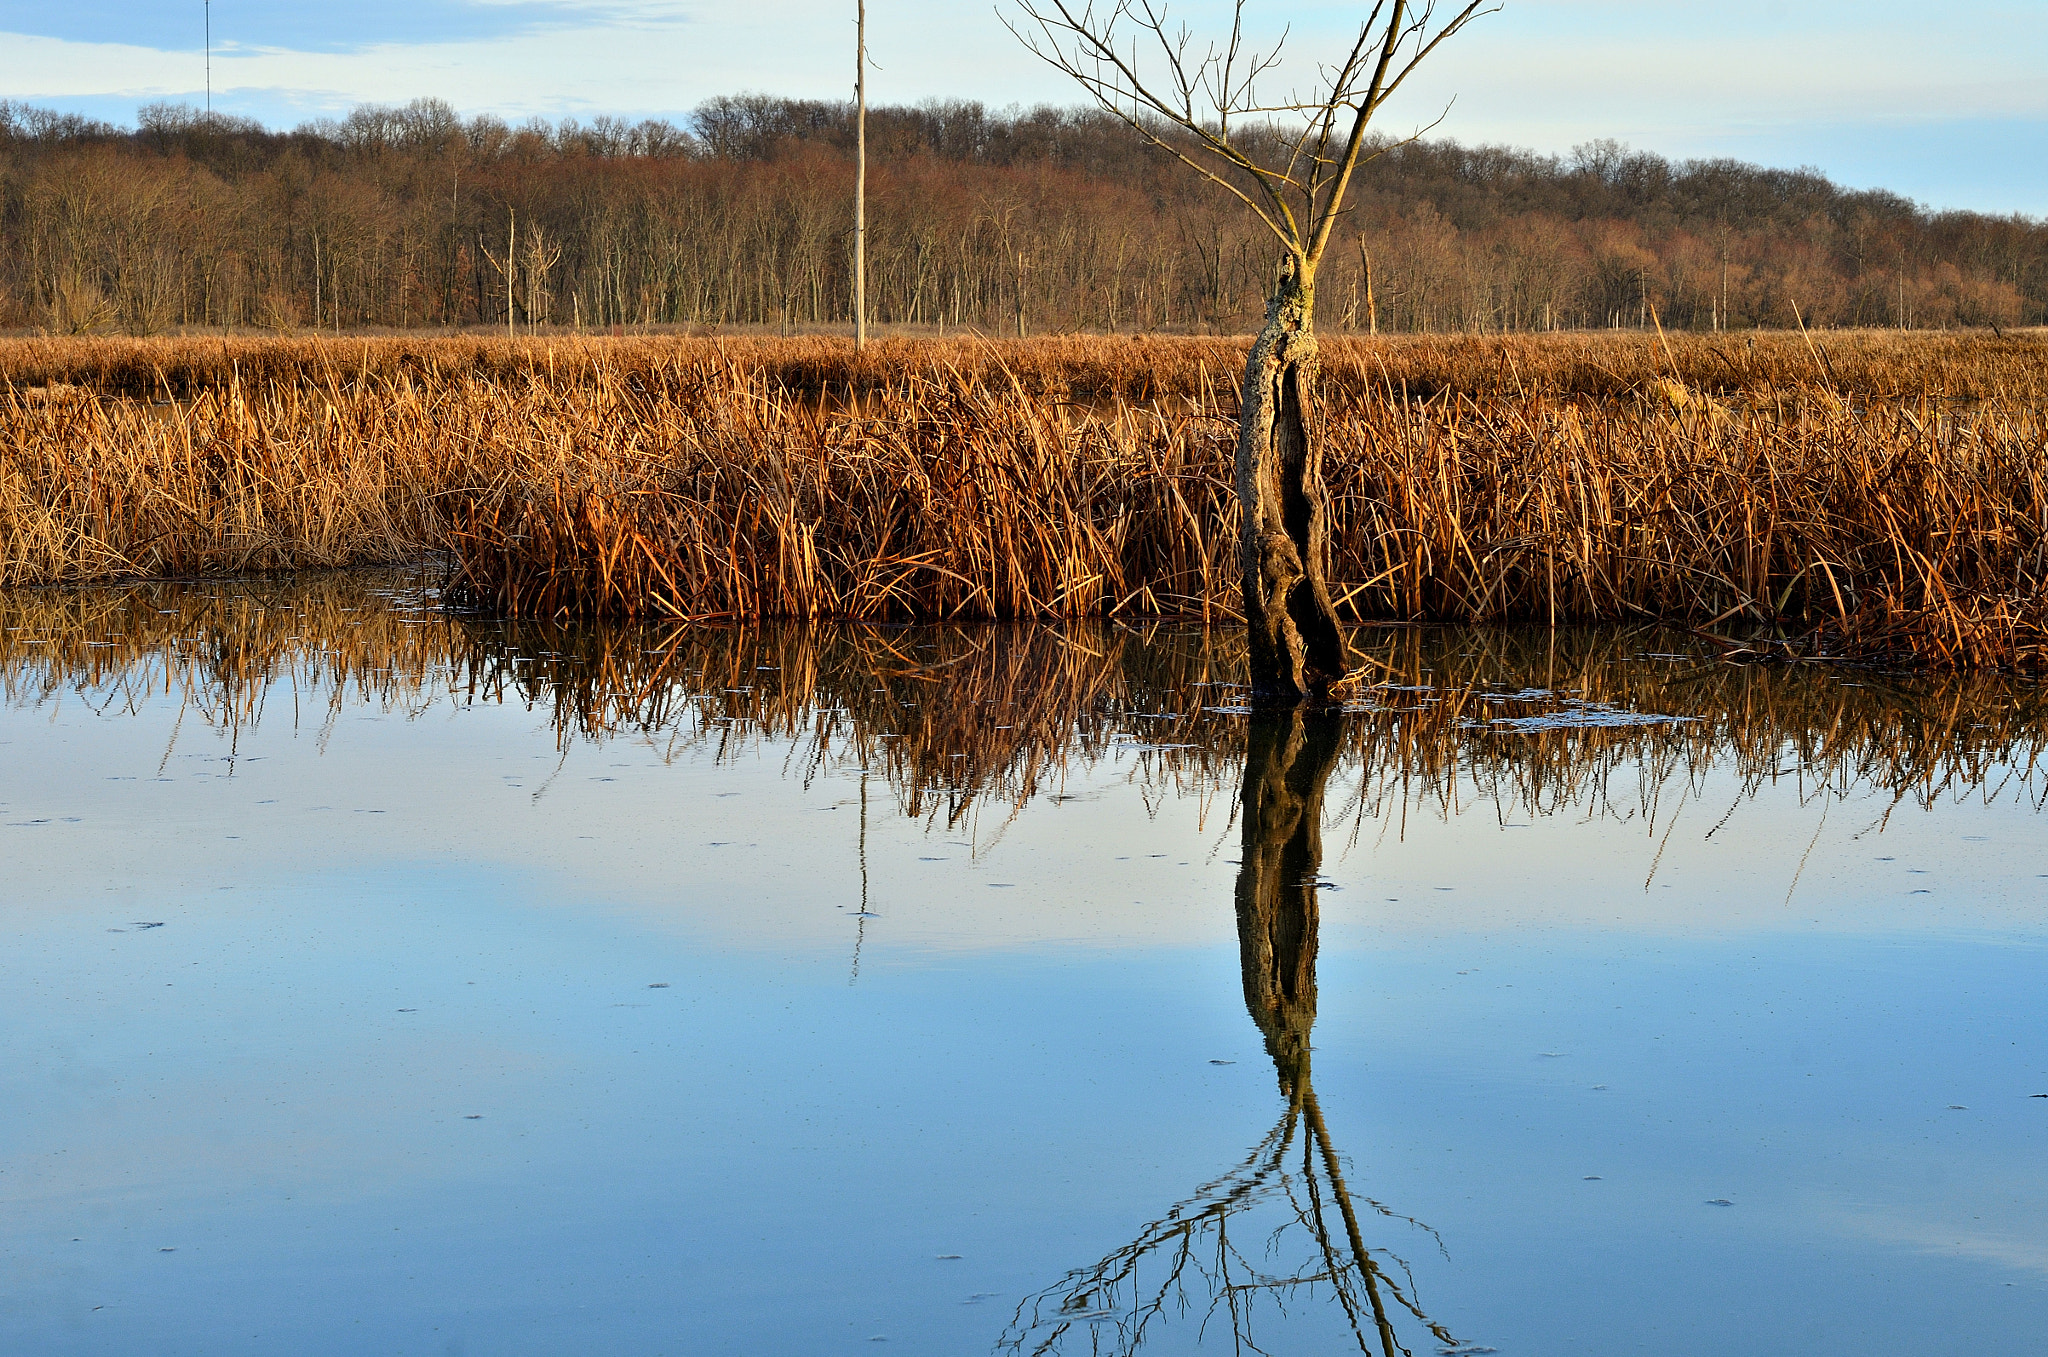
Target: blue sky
{"points": [[1952, 112]]}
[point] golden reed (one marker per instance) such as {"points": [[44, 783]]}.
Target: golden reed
{"points": [[1865, 495]]}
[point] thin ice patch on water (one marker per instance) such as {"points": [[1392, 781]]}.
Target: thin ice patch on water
{"points": [[1569, 713], [1576, 715]]}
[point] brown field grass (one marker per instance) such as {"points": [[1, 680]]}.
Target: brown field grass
{"points": [[1952, 365], [1864, 495]]}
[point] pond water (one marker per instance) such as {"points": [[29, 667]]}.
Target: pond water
{"points": [[379, 981]]}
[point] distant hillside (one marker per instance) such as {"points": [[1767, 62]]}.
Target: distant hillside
{"points": [[1052, 219]]}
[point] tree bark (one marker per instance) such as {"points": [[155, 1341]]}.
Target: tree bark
{"points": [[1288, 758], [1296, 650]]}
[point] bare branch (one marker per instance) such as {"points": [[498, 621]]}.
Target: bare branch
{"points": [[1197, 103], [1378, 94]]}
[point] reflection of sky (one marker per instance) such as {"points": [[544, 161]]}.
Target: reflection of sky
{"points": [[764, 1156], [488, 786]]}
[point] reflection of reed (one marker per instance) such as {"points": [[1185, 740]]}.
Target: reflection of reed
{"points": [[1192, 1258], [955, 718], [226, 650], [951, 716]]}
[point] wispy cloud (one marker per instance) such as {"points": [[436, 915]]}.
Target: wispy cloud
{"points": [[1832, 83], [1947, 1235]]}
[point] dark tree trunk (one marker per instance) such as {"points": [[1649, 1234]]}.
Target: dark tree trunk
{"points": [[1289, 756], [1288, 759], [1296, 649]]}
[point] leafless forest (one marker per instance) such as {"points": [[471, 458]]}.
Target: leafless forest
{"points": [[1044, 220]]}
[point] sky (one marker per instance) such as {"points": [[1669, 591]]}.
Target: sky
{"points": [[1950, 110]]}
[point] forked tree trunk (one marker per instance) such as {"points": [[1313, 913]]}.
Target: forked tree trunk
{"points": [[1296, 649]]}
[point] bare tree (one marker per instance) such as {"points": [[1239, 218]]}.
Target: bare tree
{"points": [[1277, 1234], [1288, 157], [507, 266], [543, 252]]}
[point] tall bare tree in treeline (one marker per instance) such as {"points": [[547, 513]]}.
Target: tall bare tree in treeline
{"points": [[1292, 168]]}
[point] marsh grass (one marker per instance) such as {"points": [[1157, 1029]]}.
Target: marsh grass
{"points": [[1866, 496], [1881, 364]]}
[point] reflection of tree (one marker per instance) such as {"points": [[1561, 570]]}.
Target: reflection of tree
{"points": [[1281, 1229]]}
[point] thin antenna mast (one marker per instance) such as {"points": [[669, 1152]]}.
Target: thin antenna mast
{"points": [[209, 59], [860, 178]]}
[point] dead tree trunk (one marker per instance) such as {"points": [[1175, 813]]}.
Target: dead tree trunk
{"points": [[1297, 651], [1183, 101], [1288, 758]]}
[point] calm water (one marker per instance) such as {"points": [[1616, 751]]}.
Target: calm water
{"points": [[380, 983]]}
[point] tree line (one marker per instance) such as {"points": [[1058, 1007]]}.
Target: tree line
{"points": [[1011, 222]]}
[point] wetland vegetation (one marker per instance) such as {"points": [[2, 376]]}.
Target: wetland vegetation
{"points": [[440, 768], [1869, 496]]}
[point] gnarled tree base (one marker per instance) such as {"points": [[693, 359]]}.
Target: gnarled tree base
{"points": [[1296, 649]]}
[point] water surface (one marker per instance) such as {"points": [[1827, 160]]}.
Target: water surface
{"points": [[382, 981]]}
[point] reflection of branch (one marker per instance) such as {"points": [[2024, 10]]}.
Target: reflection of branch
{"points": [[1108, 1292], [1192, 1245], [1320, 1133], [1288, 762]]}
